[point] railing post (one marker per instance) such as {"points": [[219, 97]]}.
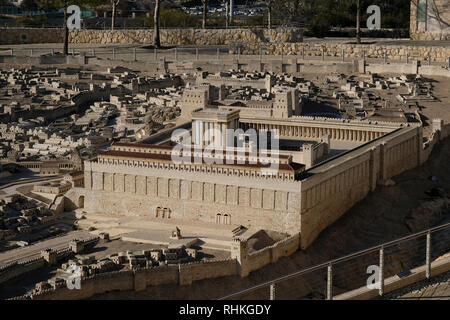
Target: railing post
{"points": [[381, 291], [260, 53], [323, 54], [407, 58], [272, 291], [114, 53], [52, 52], [31, 52], [239, 52], [12, 53], [343, 55], [429, 60], [385, 58], [428, 257], [364, 55], [303, 53], [330, 282]]}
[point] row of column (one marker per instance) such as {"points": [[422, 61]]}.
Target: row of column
{"points": [[317, 132], [206, 133]]}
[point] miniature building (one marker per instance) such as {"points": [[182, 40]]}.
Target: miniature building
{"points": [[209, 126], [176, 234], [50, 168], [76, 246], [53, 187], [50, 256], [76, 179]]}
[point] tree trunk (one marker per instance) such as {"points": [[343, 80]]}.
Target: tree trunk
{"points": [[358, 18], [66, 31], [156, 20], [226, 14], [231, 12], [205, 13], [113, 15], [269, 15]]}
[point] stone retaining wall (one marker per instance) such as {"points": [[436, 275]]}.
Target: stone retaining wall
{"points": [[395, 52], [139, 280], [186, 36]]}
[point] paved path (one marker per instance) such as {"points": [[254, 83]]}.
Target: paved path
{"points": [[34, 250]]}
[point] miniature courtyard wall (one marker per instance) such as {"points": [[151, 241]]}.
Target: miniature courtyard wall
{"points": [[248, 262], [336, 185], [140, 279], [15, 270], [101, 283], [191, 272], [185, 36]]}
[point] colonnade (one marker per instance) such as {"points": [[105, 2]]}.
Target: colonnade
{"points": [[316, 132]]}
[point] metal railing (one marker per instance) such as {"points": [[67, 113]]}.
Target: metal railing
{"points": [[344, 274], [145, 26], [136, 52]]}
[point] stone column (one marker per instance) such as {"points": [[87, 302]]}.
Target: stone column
{"points": [[224, 135]]}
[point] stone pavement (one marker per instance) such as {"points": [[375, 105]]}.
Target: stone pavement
{"points": [[145, 230]]}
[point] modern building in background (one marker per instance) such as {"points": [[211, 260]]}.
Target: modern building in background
{"points": [[430, 20]]}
